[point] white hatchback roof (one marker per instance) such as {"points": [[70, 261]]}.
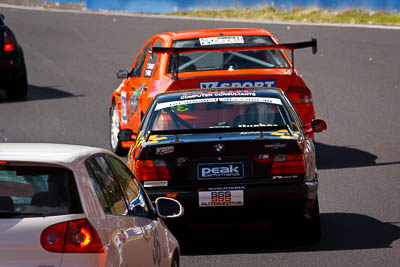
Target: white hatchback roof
{"points": [[46, 153]]}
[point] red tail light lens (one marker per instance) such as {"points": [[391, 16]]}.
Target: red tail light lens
{"points": [[146, 170], [290, 164], [53, 237], [8, 42], [76, 236], [299, 95]]}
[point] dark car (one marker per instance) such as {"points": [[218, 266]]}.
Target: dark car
{"points": [[13, 77], [234, 155]]}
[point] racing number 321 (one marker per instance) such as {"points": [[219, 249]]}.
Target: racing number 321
{"points": [[221, 196]]}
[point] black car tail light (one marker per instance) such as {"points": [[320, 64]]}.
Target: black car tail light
{"points": [[9, 44], [288, 164], [147, 170]]}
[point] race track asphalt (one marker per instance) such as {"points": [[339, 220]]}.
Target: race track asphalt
{"points": [[72, 59]]}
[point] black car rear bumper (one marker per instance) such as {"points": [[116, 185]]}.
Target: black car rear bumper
{"points": [[12, 67], [261, 201]]}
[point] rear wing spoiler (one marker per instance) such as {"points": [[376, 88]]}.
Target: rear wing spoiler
{"points": [[260, 129], [182, 50]]}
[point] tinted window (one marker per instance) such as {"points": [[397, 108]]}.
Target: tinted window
{"points": [[99, 190], [107, 189], [218, 113], [229, 60], [137, 71], [151, 63], [134, 193], [296, 121], [43, 190]]}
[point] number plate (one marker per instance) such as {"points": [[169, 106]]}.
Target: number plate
{"points": [[221, 198], [220, 170]]}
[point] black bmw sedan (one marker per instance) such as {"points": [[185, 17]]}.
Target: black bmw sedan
{"points": [[233, 155]]}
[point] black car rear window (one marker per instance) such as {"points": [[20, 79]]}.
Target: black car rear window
{"points": [[27, 191], [219, 112]]}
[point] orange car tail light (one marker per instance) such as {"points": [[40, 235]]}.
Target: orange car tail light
{"points": [[146, 170], [8, 42], [77, 236], [299, 95], [288, 164]]}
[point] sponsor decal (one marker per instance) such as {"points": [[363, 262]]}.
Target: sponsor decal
{"points": [[182, 103], [255, 125], [164, 150], [263, 156], [221, 198], [150, 66], [221, 40], [147, 73], [211, 93], [275, 146], [224, 188], [123, 107], [239, 83], [220, 170], [285, 177]]}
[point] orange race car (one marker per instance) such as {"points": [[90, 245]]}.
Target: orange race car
{"points": [[212, 58]]}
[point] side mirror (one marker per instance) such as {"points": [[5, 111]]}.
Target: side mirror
{"points": [[122, 74], [126, 135], [315, 126], [168, 207]]}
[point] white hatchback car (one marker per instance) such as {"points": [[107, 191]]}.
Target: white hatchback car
{"points": [[67, 205]]}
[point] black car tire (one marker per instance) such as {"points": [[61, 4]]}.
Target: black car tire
{"points": [[312, 227], [19, 89], [115, 145], [175, 262]]}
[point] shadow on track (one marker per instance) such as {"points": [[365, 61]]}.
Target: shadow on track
{"points": [[340, 157], [340, 231], [40, 93]]}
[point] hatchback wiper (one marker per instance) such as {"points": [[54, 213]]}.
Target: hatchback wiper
{"points": [[10, 214]]}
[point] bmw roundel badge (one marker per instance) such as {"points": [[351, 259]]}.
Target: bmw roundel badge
{"points": [[219, 148]]}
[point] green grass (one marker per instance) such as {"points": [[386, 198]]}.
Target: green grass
{"points": [[352, 16]]}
